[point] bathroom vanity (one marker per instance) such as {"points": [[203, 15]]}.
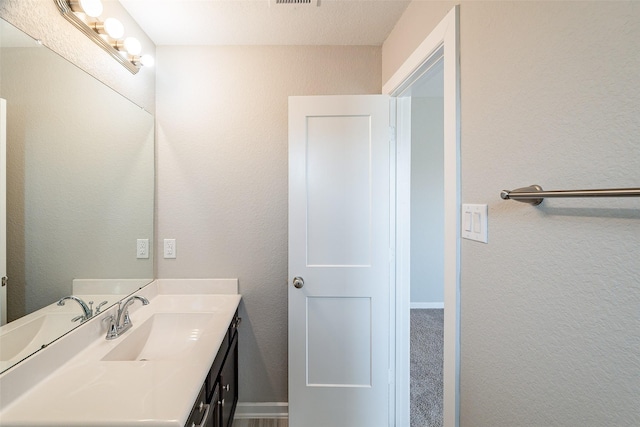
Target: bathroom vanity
{"points": [[175, 366]]}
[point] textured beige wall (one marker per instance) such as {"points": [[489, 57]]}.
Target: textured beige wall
{"points": [[222, 177], [42, 20], [550, 95]]}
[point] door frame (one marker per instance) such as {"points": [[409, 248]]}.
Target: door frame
{"points": [[444, 40], [3, 210]]}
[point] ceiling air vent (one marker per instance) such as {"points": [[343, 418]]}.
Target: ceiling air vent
{"points": [[294, 2]]}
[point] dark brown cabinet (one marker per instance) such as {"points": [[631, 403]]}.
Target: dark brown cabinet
{"points": [[216, 403], [229, 384]]}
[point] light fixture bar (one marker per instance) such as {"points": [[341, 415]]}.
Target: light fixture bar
{"points": [[70, 16]]}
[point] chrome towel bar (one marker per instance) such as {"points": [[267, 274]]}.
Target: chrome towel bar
{"points": [[534, 194]]}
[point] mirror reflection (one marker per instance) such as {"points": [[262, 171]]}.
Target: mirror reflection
{"points": [[80, 187]]}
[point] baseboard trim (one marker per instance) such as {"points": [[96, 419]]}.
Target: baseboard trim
{"points": [[246, 410], [420, 305]]}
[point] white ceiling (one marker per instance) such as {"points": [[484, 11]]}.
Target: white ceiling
{"points": [[258, 22]]}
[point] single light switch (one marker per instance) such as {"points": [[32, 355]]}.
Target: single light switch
{"points": [[474, 222], [477, 224], [467, 221]]}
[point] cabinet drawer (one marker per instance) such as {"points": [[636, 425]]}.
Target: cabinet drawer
{"points": [[200, 410]]}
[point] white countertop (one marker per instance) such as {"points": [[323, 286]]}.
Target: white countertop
{"points": [[86, 391]]}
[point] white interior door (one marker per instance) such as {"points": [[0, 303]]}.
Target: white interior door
{"points": [[339, 246], [3, 210]]}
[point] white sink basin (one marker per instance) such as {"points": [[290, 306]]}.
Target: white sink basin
{"points": [[164, 336]]}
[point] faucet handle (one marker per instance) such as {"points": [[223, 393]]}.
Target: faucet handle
{"points": [[100, 306]]}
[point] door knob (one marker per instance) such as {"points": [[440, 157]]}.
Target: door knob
{"points": [[298, 282]]}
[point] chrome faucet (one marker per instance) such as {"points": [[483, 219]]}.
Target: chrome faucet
{"points": [[86, 310], [121, 322]]}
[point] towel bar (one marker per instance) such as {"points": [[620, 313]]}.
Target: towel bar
{"points": [[534, 194]]}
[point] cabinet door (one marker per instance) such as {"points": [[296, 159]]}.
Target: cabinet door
{"points": [[216, 419], [229, 384], [214, 372]]}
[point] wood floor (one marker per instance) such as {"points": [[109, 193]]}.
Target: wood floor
{"points": [[273, 422]]}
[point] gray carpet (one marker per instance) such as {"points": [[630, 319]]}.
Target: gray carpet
{"points": [[427, 336], [275, 422]]}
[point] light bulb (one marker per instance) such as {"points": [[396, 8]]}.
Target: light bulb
{"points": [[113, 28], [147, 60], [92, 8], [132, 46]]}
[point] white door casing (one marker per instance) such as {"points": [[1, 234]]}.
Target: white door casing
{"points": [[339, 245], [443, 39], [3, 210]]}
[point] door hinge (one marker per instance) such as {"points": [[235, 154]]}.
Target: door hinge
{"points": [[392, 134], [5, 280]]}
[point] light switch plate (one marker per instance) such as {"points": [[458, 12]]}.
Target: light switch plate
{"points": [[474, 222]]}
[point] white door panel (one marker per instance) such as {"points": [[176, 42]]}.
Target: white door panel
{"points": [[337, 187], [339, 239]]}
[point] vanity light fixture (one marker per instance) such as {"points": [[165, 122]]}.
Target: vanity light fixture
{"points": [[107, 34]]}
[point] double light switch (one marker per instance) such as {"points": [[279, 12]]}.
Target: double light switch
{"points": [[474, 222]]}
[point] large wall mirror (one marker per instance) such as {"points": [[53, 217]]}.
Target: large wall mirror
{"points": [[80, 193]]}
